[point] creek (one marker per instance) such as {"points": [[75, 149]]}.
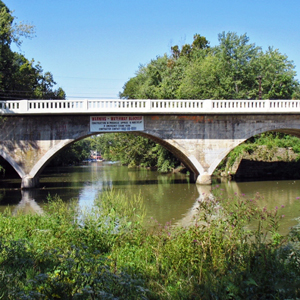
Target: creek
{"points": [[167, 197]]}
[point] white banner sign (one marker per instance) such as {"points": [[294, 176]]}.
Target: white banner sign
{"points": [[120, 123]]}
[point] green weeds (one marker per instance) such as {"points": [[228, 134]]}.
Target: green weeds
{"points": [[262, 147], [232, 251]]}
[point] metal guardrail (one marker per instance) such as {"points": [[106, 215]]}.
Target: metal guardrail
{"points": [[148, 106]]}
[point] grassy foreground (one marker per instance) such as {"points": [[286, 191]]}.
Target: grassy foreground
{"points": [[108, 253]]}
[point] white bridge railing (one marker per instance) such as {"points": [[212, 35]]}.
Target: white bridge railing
{"points": [[104, 106]]}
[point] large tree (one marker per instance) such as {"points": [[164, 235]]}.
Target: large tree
{"points": [[19, 77], [229, 70]]}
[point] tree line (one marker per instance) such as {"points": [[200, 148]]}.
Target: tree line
{"points": [[234, 69], [129, 149]]}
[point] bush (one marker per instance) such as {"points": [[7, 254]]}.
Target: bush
{"points": [[232, 251]]}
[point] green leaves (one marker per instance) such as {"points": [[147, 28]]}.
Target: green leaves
{"points": [[134, 151], [19, 77], [9, 30], [232, 251], [229, 70]]}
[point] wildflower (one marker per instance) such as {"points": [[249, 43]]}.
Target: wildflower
{"points": [[297, 197], [282, 216], [276, 207], [282, 206]]}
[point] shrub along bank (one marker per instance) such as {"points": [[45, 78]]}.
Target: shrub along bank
{"points": [[269, 155], [111, 253]]}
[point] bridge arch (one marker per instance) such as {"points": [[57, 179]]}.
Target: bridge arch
{"points": [[13, 163], [290, 131], [175, 149], [32, 177]]}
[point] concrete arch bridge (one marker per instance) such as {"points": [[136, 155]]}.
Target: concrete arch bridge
{"points": [[199, 132]]}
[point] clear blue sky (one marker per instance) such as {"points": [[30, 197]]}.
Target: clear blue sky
{"points": [[93, 47]]}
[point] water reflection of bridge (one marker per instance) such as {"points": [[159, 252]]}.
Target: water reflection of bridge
{"points": [[280, 193], [27, 204], [205, 194]]}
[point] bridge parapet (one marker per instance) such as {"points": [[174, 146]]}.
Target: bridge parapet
{"points": [[148, 106], [256, 106]]}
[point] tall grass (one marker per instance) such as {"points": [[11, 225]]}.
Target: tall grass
{"points": [[108, 253]]}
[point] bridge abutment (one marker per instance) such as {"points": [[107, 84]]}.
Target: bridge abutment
{"points": [[29, 182], [204, 179]]}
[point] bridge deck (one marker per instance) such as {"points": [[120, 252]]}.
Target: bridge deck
{"points": [[147, 106]]}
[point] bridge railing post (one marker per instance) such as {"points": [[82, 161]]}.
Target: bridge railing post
{"points": [[85, 105], [148, 105], [207, 105], [267, 104], [23, 106]]}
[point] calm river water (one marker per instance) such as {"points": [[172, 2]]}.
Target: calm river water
{"points": [[167, 197]]}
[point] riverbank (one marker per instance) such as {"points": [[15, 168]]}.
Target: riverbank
{"points": [[260, 162], [109, 253]]}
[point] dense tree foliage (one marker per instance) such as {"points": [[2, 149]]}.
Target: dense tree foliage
{"points": [[73, 154], [229, 70], [129, 149], [135, 150], [19, 77]]}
